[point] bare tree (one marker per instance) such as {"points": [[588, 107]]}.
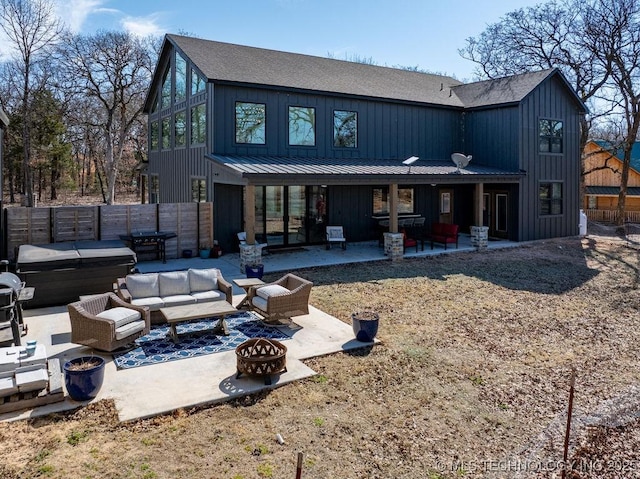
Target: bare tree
{"points": [[32, 29], [113, 69]]}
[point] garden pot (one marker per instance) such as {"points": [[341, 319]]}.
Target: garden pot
{"points": [[83, 377], [365, 325], [254, 271], [204, 253]]}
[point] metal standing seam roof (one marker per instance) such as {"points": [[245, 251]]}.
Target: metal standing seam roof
{"points": [[248, 166], [611, 190]]}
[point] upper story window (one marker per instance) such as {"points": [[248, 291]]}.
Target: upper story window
{"points": [[302, 126], [181, 78], [180, 129], [198, 124], [250, 123], [166, 133], [550, 198], [154, 189], [345, 129], [166, 89], [550, 136], [154, 134], [197, 82]]}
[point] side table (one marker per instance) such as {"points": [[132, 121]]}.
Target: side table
{"points": [[246, 284]]}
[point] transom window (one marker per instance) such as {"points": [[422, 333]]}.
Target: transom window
{"points": [[550, 136], [181, 78], [345, 129], [381, 200], [165, 100], [550, 198], [250, 123], [198, 190], [198, 124], [302, 126], [180, 128], [197, 82]]}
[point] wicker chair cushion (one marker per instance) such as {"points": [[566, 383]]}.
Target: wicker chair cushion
{"points": [[213, 295], [153, 302], [173, 283], [259, 303], [272, 290], [203, 279], [143, 285], [120, 316], [129, 329]]}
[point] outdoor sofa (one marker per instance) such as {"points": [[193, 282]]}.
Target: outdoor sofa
{"points": [[62, 272], [173, 288]]}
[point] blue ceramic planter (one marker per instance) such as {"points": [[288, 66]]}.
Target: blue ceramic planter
{"points": [[365, 325], [84, 384], [254, 271]]}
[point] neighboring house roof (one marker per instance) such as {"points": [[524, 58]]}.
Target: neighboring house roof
{"points": [[323, 169], [610, 190], [4, 120], [619, 153], [227, 62]]}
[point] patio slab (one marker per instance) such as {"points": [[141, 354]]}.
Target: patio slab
{"points": [[160, 388]]}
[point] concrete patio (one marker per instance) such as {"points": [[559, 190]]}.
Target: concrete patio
{"points": [[150, 390]]}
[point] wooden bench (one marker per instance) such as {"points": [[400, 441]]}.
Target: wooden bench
{"points": [[444, 233]]}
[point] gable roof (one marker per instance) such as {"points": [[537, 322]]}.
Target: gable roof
{"points": [[619, 152], [228, 62], [4, 120]]}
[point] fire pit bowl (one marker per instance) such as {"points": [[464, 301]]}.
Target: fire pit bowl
{"points": [[261, 357]]}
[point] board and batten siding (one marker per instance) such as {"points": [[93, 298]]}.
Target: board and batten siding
{"points": [[385, 129], [490, 137], [549, 100]]}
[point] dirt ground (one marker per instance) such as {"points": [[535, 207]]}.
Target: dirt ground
{"points": [[471, 380]]}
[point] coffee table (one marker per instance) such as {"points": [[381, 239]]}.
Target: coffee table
{"points": [[246, 284], [187, 312]]}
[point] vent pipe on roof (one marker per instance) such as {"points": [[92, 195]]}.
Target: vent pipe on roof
{"points": [[441, 86]]}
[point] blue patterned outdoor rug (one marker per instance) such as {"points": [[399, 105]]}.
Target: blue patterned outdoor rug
{"points": [[196, 339]]}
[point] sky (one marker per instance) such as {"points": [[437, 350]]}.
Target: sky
{"points": [[411, 33]]}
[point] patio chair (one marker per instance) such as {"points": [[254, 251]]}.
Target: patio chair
{"points": [[335, 234], [106, 322], [282, 299]]}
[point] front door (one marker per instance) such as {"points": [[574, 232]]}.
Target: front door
{"points": [[496, 213], [446, 206]]}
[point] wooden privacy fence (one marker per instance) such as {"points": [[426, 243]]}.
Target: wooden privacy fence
{"points": [[192, 223]]}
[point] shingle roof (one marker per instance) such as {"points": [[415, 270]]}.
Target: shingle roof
{"points": [[249, 65], [512, 89], [247, 166]]}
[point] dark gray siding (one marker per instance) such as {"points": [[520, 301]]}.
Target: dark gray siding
{"points": [[385, 129], [549, 101], [492, 138], [227, 220]]}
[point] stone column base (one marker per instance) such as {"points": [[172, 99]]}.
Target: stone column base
{"points": [[393, 246], [480, 237], [250, 254]]}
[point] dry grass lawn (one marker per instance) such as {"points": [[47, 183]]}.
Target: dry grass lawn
{"points": [[471, 378]]}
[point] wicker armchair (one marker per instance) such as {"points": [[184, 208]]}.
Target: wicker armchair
{"points": [[106, 322], [282, 299]]}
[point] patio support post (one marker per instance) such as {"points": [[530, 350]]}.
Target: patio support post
{"points": [[479, 233], [393, 208], [479, 203], [250, 213]]}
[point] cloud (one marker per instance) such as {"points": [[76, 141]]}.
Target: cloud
{"points": [[75, 12], [143, 26]]}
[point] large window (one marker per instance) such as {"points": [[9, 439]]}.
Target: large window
{"points": [[180, 129], [154, 189], [381, 200], [345, 129], [198, 190], [181, 78], [198, 124], [250, 123], [550, 136], [166, 133], [302, 126], [155, 135], [550, 198], [197, 82], [166, 89]]}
